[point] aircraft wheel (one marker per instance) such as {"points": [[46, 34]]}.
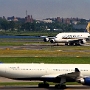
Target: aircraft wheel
{"points": [[66, 44], [71, 44], [60, 86]]}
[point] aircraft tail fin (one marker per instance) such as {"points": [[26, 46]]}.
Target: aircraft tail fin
{"points": [[77, 70], [88, 27]]}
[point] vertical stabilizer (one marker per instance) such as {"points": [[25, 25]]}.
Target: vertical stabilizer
{"points": [[88, 27]]}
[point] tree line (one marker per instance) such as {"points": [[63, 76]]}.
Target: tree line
{"points": [[41, 26]]}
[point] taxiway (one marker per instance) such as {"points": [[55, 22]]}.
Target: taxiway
{"points": [[69, 87]]}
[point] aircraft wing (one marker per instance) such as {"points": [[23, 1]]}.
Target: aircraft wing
{"points": [[72, 75], [75, 74]]}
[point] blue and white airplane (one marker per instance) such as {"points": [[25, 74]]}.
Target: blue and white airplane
{"points": [[70, 38], [57, 73]]}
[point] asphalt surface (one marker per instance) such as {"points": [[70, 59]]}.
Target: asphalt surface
{"points": [[33, 46], [69, 87]]}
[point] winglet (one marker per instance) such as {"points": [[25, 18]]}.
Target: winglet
{"points": [[77, 70]]}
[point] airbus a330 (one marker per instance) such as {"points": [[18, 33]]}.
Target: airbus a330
{"points": [[57, 73]]}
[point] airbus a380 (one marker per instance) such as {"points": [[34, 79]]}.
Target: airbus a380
{"points": [[57, 73], [70, 38]]}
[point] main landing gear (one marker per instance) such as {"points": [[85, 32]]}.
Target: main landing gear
{"points": [[73, 44], [60, 86], [46, 85]]}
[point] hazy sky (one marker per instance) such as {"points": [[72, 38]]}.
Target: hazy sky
{"points": [[41, 9]]}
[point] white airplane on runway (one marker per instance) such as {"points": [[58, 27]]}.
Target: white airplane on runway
{"points": [[57, 73], [70, 38]]}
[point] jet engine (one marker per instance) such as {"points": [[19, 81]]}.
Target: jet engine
{"points": [[84, 81], [52, 41], [46, 39], [83, 41]]}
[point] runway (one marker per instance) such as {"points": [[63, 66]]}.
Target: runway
{"points": [[69, 87]]}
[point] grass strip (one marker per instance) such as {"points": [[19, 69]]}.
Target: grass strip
{"points": [[42, 53], [60, 60]]}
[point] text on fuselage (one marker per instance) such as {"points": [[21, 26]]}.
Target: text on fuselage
{"points": [[70, 36]]}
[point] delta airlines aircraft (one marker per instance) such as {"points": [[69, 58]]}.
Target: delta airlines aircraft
{"points": [[57, 73], [70, 38]]}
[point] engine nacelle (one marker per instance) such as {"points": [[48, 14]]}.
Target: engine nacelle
{"points": [[84, 81], [83, 41], [46, 39], [52, 41]]}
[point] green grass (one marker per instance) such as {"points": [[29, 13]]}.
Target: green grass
{"points": [[31, 33], [61, 60], [19, 42]]}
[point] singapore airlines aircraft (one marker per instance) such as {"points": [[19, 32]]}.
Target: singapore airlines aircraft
{"points": [[70, 38], [57, 73]]}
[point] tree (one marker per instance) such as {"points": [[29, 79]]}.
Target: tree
{"points": [[5, 25], [12, 25]]}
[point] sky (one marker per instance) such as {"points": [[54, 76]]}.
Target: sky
{"points": [[41, 9]]}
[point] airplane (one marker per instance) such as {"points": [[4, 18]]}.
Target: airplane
{"points": [[57, 73], [70, 38]]}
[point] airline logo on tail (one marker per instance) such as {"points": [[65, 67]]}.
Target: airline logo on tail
{"points": [[88, 27]]}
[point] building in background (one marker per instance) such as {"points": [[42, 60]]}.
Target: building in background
{"points": [[29, 18]]}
